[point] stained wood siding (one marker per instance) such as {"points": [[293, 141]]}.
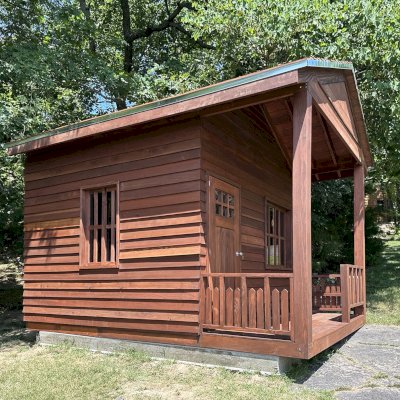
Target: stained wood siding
{"points": [[154, 295], [233, 148]]}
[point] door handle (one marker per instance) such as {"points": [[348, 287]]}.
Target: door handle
{"points": [[239, 254]]}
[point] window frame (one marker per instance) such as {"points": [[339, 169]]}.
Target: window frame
{"points": [[84, 249], [280, 214]]}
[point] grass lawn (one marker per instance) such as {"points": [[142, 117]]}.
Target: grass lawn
{"points": [[383, 287], [63, 372]]}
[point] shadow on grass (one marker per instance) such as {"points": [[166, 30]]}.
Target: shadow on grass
{"points": [[12, 329]]}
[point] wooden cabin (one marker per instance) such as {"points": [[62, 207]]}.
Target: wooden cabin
{"points": [[188, 220]]}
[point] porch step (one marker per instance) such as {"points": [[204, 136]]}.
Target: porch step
{"points": [[232, 360]]}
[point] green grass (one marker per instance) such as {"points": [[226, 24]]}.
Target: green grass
{"points": [[380, 375], [383, 287], [65, 372]]}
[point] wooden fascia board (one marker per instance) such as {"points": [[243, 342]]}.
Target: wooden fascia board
{"points": [[327, 110], [272, 95], [171, 110], [358, 116]]}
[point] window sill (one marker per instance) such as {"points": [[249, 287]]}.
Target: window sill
{"points": [[278, 267], [97, 266]]}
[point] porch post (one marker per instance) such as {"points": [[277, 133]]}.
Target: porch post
{"points": [[359, 225], [301, 212], [359, 216]]}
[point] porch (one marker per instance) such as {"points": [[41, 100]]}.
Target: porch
{"points": [[257, 291], [261, 306]]}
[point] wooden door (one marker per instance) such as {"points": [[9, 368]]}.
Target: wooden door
{"points": [[224, 239]]}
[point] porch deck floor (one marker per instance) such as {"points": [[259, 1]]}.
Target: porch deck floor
{"points": [[324, 324], [328, 329]]}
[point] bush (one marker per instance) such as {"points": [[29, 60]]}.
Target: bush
{"points": [[11, 298], [11, 208]]}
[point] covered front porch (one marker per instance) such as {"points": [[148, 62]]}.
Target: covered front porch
{"points": [[287, 310]]}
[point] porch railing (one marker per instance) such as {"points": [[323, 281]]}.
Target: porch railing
{"points": [[326, 292], [262, 303], [339, 292], [257, 303], [353, 287]]}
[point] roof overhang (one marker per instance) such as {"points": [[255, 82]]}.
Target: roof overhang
{"points": [[255, 84]]}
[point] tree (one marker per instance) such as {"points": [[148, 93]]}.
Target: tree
{"points": [[135, 46], [252, 34], [332, 226], [64, 60]]}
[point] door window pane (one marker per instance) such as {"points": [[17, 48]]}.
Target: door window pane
{"points": [[224, 204]]}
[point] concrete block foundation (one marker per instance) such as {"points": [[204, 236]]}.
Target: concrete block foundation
{"points": [[233, 360]]}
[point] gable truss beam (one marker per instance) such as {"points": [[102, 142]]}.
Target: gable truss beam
{"points": [[283, 148], [328, 141], [324, 106]]}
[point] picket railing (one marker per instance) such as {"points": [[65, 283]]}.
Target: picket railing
{"points": [[262, 303], [326, 292], [258, 303], [353, 288], [343, 292]]}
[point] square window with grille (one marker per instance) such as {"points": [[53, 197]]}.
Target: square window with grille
{"points": [[100, 223], [275, 237], [224, 204]]}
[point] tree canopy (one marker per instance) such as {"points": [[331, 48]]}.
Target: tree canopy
{"points": [[65, 60]]}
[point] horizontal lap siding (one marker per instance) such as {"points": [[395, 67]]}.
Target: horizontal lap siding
{"points": [[258, 168], [154, 294]]}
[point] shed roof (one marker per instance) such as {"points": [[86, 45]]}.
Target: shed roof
{"points": [[231, 90]]}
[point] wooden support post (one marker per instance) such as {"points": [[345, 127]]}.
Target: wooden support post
{"points": [[344, 287], [359, 216], [301, 217], [359, 224]]}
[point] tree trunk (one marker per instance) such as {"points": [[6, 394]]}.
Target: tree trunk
{"points": [[121, 103]]}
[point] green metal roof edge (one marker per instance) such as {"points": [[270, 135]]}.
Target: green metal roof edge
{"points": [[292, 66]]}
